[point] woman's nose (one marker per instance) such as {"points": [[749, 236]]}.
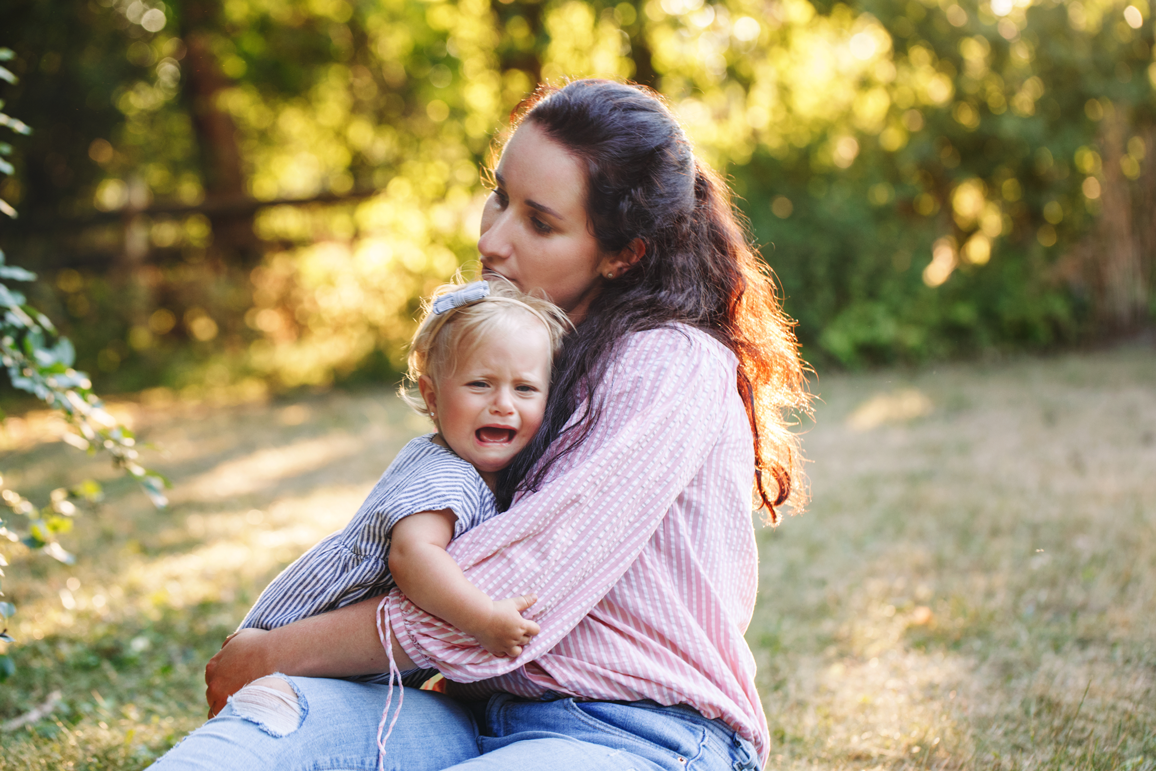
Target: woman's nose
{"points": [[494, 243]]}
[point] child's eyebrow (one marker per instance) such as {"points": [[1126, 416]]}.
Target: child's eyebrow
{"points": [[529, 202]]}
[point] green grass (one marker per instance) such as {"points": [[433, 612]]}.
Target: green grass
{"points": [[973, 586]]}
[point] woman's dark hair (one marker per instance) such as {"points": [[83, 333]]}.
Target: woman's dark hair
{"points": [[697, 267]]}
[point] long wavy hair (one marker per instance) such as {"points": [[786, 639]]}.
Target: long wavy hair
{"points": [[698, 267]]}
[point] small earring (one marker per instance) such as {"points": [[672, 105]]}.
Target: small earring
{"points": [[609, 274]]}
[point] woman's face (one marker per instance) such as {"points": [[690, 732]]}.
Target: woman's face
{"points": [[535, 230]]}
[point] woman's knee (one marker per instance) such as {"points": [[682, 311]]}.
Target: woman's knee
{"points": [[273, 703]]}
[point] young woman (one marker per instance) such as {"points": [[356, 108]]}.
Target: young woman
{"points": [[631, 519]]}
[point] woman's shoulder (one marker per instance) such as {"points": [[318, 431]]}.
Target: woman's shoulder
{"points": [[677, 342]]}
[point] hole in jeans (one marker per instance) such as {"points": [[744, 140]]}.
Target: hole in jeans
{"points": [[273, 703]]}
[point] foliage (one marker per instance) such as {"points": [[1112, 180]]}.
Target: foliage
{"points": [[928, 176], [39, 361]]}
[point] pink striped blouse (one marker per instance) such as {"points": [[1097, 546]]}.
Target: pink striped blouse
{"points": [[640, 548]]}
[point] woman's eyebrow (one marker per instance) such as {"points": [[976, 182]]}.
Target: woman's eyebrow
{"points": [[531, 203], [544, 209]]}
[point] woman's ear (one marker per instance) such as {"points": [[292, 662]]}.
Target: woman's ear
{"points": [[615, 265], [425, 387]]}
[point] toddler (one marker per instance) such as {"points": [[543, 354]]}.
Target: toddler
{"points": [[480, 363]]}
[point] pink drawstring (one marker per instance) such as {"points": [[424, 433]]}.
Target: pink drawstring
{"points": [[383, 634]]}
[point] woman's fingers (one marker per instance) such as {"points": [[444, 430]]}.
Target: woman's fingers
{"points": [[212, 690], [238, 662]]}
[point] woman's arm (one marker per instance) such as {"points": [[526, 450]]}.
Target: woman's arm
{"points": [[429, 577], [341, 643], [664, 407]]}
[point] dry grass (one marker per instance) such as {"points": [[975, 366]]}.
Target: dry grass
{"points": [[975, 584], [973, 587]]}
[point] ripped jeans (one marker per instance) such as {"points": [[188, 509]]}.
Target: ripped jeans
{"points": [[331, 725]]}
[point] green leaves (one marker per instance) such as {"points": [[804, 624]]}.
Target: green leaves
{"points": [[7, 610], [6, 149], [39, 360]]}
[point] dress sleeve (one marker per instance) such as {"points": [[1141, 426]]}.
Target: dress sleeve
{"points": [[352, 564], [662, 407]]}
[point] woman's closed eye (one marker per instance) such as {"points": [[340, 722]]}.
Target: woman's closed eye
{"points": [[500, 196], [540, 226]]}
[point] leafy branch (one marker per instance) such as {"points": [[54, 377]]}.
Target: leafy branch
{"points": [[38, 359]]}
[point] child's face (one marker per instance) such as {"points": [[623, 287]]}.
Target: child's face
{"points": [[488, 409]]}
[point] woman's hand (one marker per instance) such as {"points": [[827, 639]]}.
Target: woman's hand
{"points": [[241, 660]]}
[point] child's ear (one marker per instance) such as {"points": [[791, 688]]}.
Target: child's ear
{"points": [[425, 386]]}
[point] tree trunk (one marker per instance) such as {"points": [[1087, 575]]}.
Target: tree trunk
{"points": [[221, 160], [529, 60], [1122, 297], [1146, 212], [640, 54]]}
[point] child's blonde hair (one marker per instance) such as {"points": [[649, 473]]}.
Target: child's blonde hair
{"points": [[445, 337]]}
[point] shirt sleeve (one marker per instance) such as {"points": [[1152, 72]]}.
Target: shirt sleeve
{"points": [[663, 402], [326, 577], [352, 564]]}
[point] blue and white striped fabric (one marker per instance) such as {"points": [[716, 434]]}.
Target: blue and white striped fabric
{"points": [[353, 564]]}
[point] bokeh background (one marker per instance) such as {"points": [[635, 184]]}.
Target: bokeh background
{"points": [[234, 206], [251, 194]]}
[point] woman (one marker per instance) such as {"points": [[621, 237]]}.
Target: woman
{"points": [[631, 515]]}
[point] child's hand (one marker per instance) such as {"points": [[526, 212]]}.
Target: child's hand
{"points": [[506, 631]]}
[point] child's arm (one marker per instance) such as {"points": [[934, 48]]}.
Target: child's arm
{"points": [[433, 581]]}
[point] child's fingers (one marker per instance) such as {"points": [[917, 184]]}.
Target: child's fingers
{"points": [[525, 601]]}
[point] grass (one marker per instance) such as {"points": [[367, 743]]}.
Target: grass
{"points": [[974, 585]]}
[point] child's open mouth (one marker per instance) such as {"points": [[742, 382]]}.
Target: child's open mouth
{"points": [[495, 435]]}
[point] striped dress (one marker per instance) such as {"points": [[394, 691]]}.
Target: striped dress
{"points": [[353, 564], [640, 547]]}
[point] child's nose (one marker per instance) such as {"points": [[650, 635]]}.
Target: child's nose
{"points": [[503, 401]]}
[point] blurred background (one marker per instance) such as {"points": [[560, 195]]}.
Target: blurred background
{"points": [[247, 195]]}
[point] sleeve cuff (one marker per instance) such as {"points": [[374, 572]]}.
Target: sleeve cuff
{"points": [[401, 612]]}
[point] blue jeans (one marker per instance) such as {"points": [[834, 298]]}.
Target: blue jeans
{"points": [[336, 726]]}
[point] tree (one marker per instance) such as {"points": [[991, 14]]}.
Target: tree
{"points": [[929, 177]]}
